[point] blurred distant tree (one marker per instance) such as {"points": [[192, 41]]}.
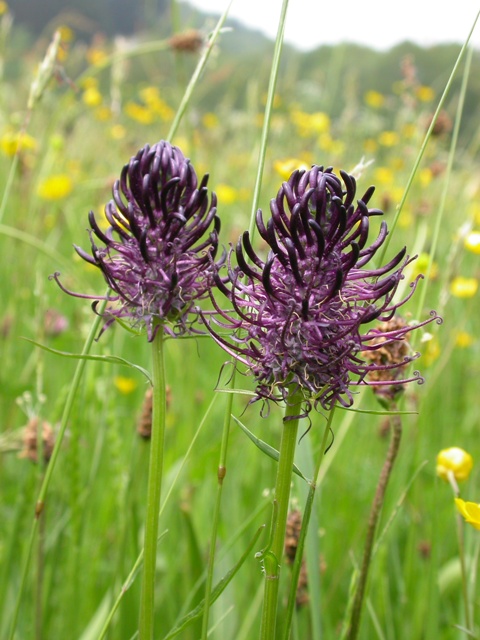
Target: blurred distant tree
{"points": [[88, 16]]}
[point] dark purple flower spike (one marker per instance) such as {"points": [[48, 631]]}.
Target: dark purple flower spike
{"points": [[298, 316], [158, 255]]}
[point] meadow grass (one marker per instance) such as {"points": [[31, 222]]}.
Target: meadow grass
{"points": [[90, 533]]}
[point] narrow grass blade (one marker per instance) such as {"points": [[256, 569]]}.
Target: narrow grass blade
{"points": [[216, 591]]}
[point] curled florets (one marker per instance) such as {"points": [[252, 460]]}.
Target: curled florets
{"points": [[158, 255], [299, 315]]}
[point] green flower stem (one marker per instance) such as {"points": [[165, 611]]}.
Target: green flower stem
{"points": [[221, 472], [461, 551], [147, 604], [273, 556], [303, 533], [377, 504]]}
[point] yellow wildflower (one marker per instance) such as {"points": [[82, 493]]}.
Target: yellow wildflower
{"points": [[66, 33], [139, 113], [329, 144], [210, 121], [3, 7], [226, 194], [473, 211], [425, 176], [92, 97], [118, 132], [470, 511], [384, 176], [425, 94], [374, 99], [461, 287], [309, 123], [125, 385], [55, 187], [286, 167], [319, 122], [11, 143], [455, 462], [463, 340], [96, 57], [472, 242], [388, 138], [423, 264]]}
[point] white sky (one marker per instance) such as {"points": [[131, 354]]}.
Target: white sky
{"points": [[377, 23]]}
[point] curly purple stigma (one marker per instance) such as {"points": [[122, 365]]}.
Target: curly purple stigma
{"points": [[299, 314], [158, 255]]}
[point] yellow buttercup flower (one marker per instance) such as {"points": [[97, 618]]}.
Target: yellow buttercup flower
{"points": [[210, 121], [12, 142], [425, 94], [139, 113], [472, 242], [55, 187], [125, 385], [286, 167], [461, 287], [92, 97], [388, 138], [226, 194], [374, 99], [463, 340], [470, 511], [454, 461], [384, 175]]}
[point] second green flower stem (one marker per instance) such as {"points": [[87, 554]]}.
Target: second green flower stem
{"points": [[154, 490], [273, 556]]}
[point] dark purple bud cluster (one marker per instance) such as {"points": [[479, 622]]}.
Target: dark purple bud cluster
{"points": [[158, 255], [299, 316]]}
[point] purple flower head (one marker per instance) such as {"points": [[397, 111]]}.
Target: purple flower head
{"points": [[299, 316], [158, 254]]}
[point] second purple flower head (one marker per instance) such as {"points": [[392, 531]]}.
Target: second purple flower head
{"points": [[298, 316]]}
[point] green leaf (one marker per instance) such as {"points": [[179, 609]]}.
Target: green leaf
{"points": [[266, 448], [79, 356]]}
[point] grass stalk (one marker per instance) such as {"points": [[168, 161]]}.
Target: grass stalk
{"points": [[268, 114], [221, 472], [157, 443], [354, 625]]}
